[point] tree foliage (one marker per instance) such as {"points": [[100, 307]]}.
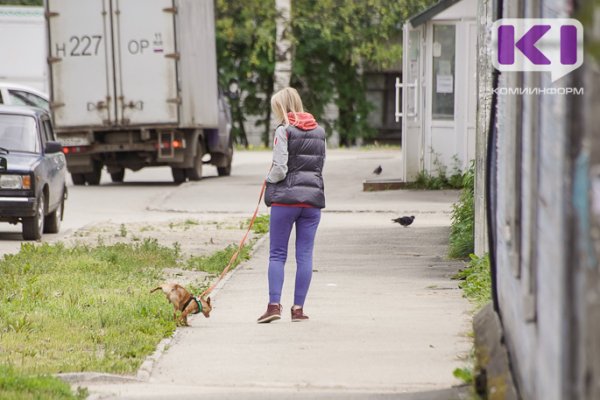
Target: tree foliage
{"points": [[246, 52], [334, 42]]}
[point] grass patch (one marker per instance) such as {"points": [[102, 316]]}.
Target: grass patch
{"points": [[19, 386], [477, 280], [216, 263], [463, 219], [82, 309], [261, 224]]}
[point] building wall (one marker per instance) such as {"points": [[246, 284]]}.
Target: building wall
{"points": [[545, 243]]}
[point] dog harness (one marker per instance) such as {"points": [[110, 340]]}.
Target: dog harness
{"points": [[187, 303]]}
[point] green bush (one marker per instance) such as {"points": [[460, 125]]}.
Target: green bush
{"points": [[463, 219]]}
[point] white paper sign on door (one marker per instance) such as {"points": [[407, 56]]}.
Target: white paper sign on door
{"points": [[444, 84]]}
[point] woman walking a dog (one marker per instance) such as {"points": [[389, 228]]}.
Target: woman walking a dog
{"points": [[295, 193]]}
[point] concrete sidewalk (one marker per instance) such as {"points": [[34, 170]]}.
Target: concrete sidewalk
{"points": [[386, 321]]}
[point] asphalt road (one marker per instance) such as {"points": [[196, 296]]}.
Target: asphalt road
{"points": [[129, 201], [151, 195]]}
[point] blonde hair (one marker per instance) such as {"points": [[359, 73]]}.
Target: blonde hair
{"points": [[285, 101]]}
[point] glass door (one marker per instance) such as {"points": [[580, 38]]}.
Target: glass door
{"points": [[412, 124]]}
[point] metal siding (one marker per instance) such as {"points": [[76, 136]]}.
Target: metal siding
{"points": [[146, 75], [198, 64], [81, 76]]}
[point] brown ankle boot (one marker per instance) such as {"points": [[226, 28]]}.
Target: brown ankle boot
{"points": [[298, 315], [273, 313]]}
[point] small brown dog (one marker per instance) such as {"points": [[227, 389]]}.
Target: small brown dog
{"points": [[183, 301]]}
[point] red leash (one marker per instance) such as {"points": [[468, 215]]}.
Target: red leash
{"points": [[241, 245]]}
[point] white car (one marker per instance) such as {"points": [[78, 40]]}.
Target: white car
{"points": [[13, 94]]}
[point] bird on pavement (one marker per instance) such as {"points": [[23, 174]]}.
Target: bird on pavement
{"points": [[405, 221], [378, 170]]}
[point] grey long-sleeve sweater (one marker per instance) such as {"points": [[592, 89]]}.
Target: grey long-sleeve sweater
{"points": [[279, 169]]}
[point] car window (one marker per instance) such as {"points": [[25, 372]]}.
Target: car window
{"points": [[1, 100], [21, 97], [39, 101], [49, 133], [17, 99], [19, 133]]}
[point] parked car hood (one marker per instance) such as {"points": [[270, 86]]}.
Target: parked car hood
{"points": [[21, 162]]}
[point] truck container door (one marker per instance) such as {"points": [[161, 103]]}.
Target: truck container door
{"points": [[80, 59], [146, 62]]}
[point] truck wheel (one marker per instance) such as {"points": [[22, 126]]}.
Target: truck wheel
{"points": [[118, 176], [93, 178], [224, 171], [52, 221], [33, 227], [195, 173], [178, 175], [78, 179]]}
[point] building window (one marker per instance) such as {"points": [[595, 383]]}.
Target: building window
{"points": [[443, 51]]}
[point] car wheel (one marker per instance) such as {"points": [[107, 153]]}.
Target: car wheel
{"points": [[33, 227], [195, 173], [118, 176], [93, 178], [178, 175], [52, 221], [78, 179]]}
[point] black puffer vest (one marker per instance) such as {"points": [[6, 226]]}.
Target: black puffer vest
{"points": [[304, 180]]}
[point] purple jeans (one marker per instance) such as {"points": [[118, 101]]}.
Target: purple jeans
{"points": [[281, 223]]}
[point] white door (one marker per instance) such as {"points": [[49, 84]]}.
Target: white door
{"points": [[146, 62], [80, 62], [412, 125]]}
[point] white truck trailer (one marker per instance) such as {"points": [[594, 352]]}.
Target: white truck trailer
{"points": [[23, 47], [133, 84]]}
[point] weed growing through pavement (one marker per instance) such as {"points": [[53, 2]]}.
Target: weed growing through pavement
{"points": [[122, 230]]}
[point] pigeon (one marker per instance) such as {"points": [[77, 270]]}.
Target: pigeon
{"points": [[378, 170], [405, 221]]}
